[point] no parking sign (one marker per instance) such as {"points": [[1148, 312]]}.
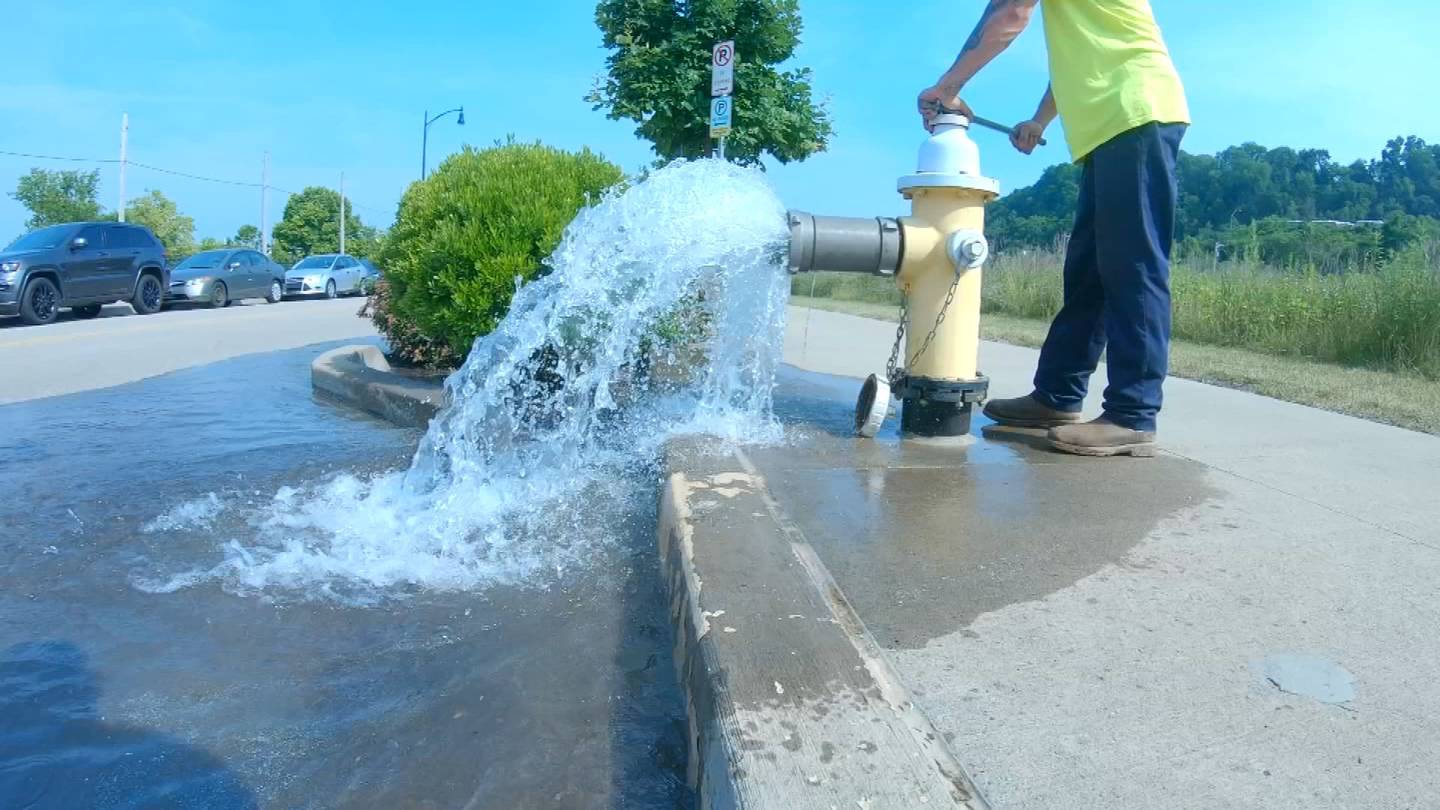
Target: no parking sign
{"points": [[722, 69]]}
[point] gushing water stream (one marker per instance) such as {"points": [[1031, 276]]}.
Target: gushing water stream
{"points": [[663, 315]]}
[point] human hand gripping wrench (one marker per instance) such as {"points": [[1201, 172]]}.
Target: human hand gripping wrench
{"points": [[1025, 136]]}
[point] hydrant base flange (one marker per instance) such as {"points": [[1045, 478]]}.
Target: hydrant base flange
{"points": [[923, 417], [939, 407]]}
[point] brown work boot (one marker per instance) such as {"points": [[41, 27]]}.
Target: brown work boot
{"points": [[1026, 411], [1102, 437]]}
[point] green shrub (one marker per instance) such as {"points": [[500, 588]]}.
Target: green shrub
{"points": [[406, 341], [464, 234]]}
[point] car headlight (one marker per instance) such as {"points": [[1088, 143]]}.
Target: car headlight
{"points": [[196, 282], [9, 268], [312, 280]]}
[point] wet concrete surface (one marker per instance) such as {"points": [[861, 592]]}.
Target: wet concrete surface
{"points": [[1246, 621], [923, 537], [557, 695]]}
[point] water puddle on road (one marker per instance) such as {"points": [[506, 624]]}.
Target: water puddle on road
{"points": [[219, 589]]}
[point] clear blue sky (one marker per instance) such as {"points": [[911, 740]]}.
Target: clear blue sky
{"points": [[332, 87]]}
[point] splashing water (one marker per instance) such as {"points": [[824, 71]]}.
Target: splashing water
{"points": [[664, 315]]}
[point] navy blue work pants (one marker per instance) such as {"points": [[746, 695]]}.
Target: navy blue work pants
{"points": [[1117, 280]]}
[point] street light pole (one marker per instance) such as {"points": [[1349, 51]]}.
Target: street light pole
{"points": [[264, 201], [425, 136], [124, 137]]}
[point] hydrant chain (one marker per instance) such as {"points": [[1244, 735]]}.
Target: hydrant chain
{"points": [[893, 374]]}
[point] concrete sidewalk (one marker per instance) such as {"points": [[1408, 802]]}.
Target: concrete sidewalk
{"points": [[1251, 620]]}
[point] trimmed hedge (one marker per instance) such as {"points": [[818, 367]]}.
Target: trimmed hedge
{"points": [[464, 234]]}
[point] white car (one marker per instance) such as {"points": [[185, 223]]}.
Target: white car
{"points": [[328, 274]]}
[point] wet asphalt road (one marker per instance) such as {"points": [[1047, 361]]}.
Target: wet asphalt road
{"points": [[75, 354]]}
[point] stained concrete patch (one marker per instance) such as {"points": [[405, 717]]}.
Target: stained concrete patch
{"points": [[1307, 676], [925, 538]]}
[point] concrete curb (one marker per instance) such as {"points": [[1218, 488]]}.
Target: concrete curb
{"points": [[791, 702], [360, 377]]}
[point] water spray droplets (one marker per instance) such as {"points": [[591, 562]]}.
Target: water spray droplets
{"points": [[662, 315]]}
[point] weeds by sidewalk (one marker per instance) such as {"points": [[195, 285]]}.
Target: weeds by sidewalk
{"points": [[1386, 319], [1405, 400]]}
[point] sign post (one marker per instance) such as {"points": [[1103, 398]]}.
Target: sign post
{"points": [[722, 87]]}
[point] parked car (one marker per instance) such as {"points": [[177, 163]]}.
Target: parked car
{"points": [[83, 266], [371, 275], [328, 274], [217, 277]]}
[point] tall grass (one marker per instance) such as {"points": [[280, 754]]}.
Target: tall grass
{"points": [[1385, 319]]}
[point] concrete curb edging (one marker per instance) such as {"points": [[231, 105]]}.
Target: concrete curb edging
{"points": [[360, 377], [791, 702]]}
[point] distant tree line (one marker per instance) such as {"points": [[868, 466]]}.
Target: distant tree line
{"points": [[310, 223], [1281, 206]]}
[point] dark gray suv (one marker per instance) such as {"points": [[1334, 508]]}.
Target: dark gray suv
{"points": [[83, 266]]}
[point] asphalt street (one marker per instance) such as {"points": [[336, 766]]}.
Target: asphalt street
{"points": [[119, 346]]}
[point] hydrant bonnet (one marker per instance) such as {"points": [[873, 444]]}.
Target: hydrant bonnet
{"points": [[949, 159]]}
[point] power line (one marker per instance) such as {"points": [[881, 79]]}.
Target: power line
{"points": [[195, 176], [241, 183], [57, 157]]}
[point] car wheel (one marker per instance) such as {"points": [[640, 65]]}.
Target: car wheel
{"points": [[149, 295], [219, 296], [276, 292], [40, 303], [330, 289], [87, 311]]}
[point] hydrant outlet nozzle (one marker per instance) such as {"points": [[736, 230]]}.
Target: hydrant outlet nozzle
{"points": [[844, 244]]}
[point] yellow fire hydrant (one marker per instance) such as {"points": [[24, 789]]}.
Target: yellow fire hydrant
{"points": [[936, 256]]}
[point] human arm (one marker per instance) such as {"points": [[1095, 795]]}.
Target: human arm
{"points": [[1026, 135], [999, 25]]}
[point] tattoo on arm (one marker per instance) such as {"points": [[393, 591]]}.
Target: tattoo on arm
{"points": [[1002, 21], [979, 33]]}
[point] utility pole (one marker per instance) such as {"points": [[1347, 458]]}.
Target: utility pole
{"points": [[342, 212], [264, 200], [124, 136]]}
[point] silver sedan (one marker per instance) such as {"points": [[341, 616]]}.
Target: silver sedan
{"points": [[328, 274], [218, 277]]}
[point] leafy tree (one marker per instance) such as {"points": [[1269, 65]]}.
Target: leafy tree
{"points": [[311, 224], [659, 77], [1403, 230], [1223, 195], [248, 236], [55, 197], [160, 214], [210, 243]]}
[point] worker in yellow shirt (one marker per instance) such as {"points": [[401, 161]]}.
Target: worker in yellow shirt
{"points": [[1120, 100]]}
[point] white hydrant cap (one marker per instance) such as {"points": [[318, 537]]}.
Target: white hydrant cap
{"points": [[949, 149], [949, 159]]}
